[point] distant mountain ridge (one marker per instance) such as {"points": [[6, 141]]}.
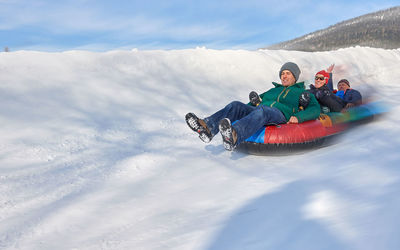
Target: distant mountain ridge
{"points": [[379, 29]]}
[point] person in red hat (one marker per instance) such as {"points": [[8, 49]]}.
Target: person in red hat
{"points": [[327, 99]]}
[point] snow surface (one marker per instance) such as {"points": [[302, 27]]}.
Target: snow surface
{"points": [[95, 154]]}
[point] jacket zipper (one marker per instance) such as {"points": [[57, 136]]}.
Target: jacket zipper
{"points": [[287, 92], [279, 96]]}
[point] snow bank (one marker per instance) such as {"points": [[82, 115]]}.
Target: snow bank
{"points": [[95, 154]]}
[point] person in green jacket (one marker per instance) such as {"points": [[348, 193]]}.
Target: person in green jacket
{"points": [[280, 104]]}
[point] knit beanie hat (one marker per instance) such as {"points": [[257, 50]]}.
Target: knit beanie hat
{"points": [[292, 67], [325, 74], [344, 81]]}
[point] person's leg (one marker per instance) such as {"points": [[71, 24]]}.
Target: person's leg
{"points": [[233, 111], [255, 120]]}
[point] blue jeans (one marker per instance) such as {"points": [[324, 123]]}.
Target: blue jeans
{"points": [[249, 119]]}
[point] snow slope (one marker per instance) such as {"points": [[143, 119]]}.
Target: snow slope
{"points": [[95, 154]]}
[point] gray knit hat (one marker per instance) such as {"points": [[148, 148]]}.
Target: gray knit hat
{"points": [[292, 67]]}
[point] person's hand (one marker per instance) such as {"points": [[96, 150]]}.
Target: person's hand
{"points": [[348, 105], [330, 68], [293, 119]]}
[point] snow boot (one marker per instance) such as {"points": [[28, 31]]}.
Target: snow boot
{"points": [[229, 136], [198, 126], [255, 99]]}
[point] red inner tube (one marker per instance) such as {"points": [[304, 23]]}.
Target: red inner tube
{"points": [[298, 133]]}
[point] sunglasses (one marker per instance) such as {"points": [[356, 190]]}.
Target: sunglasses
{"points": [[320, 78]]}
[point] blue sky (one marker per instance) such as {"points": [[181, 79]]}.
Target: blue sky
{"points": [[100, 25]]}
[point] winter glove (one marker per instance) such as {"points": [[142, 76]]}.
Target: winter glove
{"points": [[255, 99], [322, 93], [304, 100]]}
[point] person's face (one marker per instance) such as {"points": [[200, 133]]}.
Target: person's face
{"points": [[287, 78], [342, 86], [319, 81]]}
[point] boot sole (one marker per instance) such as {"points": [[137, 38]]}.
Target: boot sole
{"points": [[225, 128], [192, 121]]}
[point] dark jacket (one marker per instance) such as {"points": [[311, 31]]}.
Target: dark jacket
{"points": [[327, 98], [286, 99], [350, 96]]}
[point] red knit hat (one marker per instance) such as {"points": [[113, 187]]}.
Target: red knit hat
{"points": [[325, 74]]}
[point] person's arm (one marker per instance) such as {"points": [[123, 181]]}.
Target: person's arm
{"points": [[330, 81], [356, 98]]}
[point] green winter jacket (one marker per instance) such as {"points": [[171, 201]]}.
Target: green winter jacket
{"points": [[286, 99]]}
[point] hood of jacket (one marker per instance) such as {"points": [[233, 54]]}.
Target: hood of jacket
{"points": [[296, 85]]}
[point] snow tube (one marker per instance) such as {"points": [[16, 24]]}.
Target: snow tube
{"points": [[291, 138]]}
